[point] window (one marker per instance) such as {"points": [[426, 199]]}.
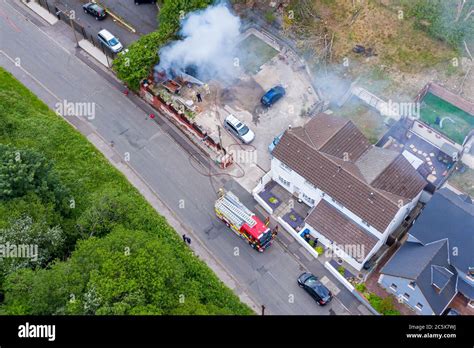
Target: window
{"points": [[406, 296], [283, 181], [393, 287], [471, 303], [285, 167], [412, 285], [419, 306]]}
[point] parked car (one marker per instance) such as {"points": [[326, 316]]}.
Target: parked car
{"points": [[272, 96], [139, 2], [315, 288], [95, 10], [110, 41], [275, 142], [239, 129]]}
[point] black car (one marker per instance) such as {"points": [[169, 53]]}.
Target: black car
{"points": [[315, 288], [138, 2], [94, 10]]}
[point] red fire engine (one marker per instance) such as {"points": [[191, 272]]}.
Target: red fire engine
{"points": [[242, 221]]}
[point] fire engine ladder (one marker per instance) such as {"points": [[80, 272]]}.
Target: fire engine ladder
{"points": [[238, 213]]}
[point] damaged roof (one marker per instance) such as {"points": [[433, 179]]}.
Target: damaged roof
{"points": [[316, 156]]}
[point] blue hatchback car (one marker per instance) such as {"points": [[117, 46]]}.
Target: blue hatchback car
{"points": [[272, 96]]}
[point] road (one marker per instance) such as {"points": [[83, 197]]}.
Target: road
{"points": [[51, 67]]}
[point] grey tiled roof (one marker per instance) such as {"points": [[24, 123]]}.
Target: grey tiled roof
{"points": [[411, 259], [414, 261], [465, 288], [440, 276], [448, 216]]}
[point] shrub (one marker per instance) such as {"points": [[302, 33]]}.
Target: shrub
{"points": [[361, 287], [384, 306], [319, 250]]}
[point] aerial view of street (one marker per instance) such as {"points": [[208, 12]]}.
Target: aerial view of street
{"points": [[292, 163]]}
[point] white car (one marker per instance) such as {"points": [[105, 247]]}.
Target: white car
{"points": [[239, 129], [110, 41]]}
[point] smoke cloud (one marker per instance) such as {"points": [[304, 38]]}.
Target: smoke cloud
{"points": [[208, 45]]}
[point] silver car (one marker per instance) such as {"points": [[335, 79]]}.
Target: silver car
{"points": [[239, 129], [110, 41]]}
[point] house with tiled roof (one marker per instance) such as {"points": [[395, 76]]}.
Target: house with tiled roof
{"points": [[358, 194], [436, 263]]}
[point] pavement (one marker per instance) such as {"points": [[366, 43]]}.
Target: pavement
{"points": [[172, 169]]}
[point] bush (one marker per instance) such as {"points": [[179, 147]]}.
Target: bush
{"points": [[341, 270], [270, 16], [319, 249], [361, 287], [24, 170], [384, 306]]}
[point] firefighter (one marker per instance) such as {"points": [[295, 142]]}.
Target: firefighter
{"points": [[275, 231]]}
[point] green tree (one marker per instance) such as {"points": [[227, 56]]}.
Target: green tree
{"points": [[105, 212], [44, 243], [126, 272], [25, 170]]}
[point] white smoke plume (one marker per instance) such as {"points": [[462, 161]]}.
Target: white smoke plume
{"points": [[208, 45]]}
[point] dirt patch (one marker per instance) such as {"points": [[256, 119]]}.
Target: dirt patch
{"points": [[245, 93]]}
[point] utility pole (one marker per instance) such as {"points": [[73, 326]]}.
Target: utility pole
{"points": [[72, 27], [263, 310], [220, 139]]}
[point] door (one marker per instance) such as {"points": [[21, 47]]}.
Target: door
{"points": [[101, 39]]}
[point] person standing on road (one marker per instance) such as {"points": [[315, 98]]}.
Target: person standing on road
{"points": [[185, 238], [198, 96], [188, 240]]}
